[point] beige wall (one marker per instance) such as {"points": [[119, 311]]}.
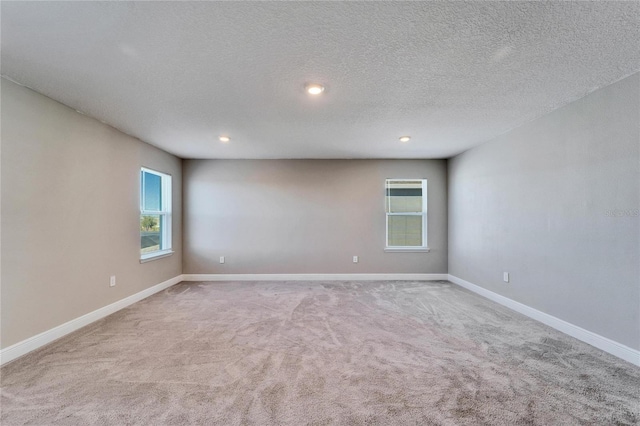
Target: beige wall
{"points": [[555, 203], [304, 216], [70, 214]]}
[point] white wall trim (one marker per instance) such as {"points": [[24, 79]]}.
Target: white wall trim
{"points": [[614, 348], [24, 347], [314, 277], [617, 349]]}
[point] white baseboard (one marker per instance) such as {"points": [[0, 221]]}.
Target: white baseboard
{"points": [[617, 349], [21, 348], [314, 277], [614, 348]]}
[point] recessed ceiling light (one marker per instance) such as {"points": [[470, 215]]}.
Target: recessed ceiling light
{"points": [[405, 138], [224, 139], [314, 89]]}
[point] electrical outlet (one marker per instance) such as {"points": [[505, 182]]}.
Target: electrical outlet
{"points": [[505, 277], [112, 281], [355, 259], [221, 259]]}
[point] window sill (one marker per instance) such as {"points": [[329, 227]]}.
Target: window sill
{"points": [[407, 249], [155, 256]]}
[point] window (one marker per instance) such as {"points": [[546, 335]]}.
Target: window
{"points": [[406, 207], [155, 214]]}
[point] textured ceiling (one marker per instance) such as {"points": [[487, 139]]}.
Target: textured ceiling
{"points": [[450, 74]]}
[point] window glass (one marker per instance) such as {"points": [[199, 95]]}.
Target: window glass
{"points": [[152, 191], [155, 213], [406, 209]]}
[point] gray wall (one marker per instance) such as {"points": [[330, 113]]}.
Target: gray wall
{"points": [[70, 214], [535, 202], [304, 216]]}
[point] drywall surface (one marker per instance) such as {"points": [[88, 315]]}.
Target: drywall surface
{"points": [[304, 216], [70, 214], [555, 203]]}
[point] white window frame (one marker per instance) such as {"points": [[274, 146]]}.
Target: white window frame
{"points": [[422, 248], [165, 213]]}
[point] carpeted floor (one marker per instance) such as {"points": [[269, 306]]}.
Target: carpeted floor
{"points": [[319, 353]]}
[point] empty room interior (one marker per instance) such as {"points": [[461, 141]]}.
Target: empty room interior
{"points": [[320, 213]]}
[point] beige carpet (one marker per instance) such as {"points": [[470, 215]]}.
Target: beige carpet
{"points": [[297, 353]]}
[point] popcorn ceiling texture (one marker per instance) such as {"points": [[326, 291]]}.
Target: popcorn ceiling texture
{"points": [[321, 353], [451, 74]]}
